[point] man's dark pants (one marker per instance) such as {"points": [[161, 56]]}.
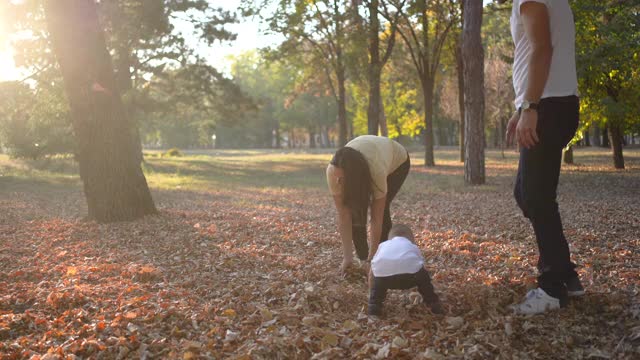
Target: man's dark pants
{"points": [[536, 191]]}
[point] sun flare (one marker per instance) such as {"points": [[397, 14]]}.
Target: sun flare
{"points": [[8, 70]]}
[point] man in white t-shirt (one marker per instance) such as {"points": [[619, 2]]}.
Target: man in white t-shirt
{"points": [[398, 264], [546, 87]]}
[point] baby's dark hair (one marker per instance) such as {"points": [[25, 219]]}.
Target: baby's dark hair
{"points": [[401, 230]]}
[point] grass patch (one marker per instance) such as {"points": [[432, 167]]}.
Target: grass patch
{"points": [[258, 170]]}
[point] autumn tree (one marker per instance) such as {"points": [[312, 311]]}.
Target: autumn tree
{"points": [[473, 55], [457, 48], [498, 85], [608, 53], [378, 57], [147, 40], [114, 185], [424, 27], [322, 28]]}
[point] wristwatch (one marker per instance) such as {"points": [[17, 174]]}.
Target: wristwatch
{"points": [[527, 105]]}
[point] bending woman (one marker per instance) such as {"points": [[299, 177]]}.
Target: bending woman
{"points": [[365, 173]]}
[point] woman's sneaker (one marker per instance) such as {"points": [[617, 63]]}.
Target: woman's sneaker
{"points": [[574, 287], [536, 302]]}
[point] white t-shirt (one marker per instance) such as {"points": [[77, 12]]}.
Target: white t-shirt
{"points": [[562, 80], [396, 256]]}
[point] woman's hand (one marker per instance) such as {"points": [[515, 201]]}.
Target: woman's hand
{"points": [[344, 228], [346, 265]]}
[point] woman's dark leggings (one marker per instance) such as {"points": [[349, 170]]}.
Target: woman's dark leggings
{"points": [[359, 217]]}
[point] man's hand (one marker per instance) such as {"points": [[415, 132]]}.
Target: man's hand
{"points": [[526, 132], [511, 127]]}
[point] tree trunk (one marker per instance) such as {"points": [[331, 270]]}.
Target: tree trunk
{"points": [[384, 131], [276, 133], [114, 185], [342, 108], [427, 92], [503, 130], [568, 155], [124, 83], [324, 135], [375, 67], [615, 134], [312, 138], [597, 140], [472, 52], [460, 71], [605, 136], [587, 138]]}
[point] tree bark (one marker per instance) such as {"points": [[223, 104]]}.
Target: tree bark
{"points": [[342, 107], [375, 69], [568, 155], [587, 138], [384, 131], [605, 136], [597, 140], [312, 138], [615, 135], [114, 184], [474, 166], [503, 131], [427, 92], [460, 73]]}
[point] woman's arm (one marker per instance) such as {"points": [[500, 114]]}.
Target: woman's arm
{"points": [[375, 227], [344, 228]]}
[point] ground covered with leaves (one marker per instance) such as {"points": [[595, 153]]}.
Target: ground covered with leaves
{"points": [[242, 262]]}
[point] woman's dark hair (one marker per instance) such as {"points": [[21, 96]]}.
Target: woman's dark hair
{"points": [[357, 178]]}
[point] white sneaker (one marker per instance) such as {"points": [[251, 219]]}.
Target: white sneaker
{"points": [[536, 302]]}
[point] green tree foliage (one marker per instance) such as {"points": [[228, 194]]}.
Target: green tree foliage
{"points": [[152, 43], [321, 32], [424, 27], [608, 54], [34, 123], [289, 99]]}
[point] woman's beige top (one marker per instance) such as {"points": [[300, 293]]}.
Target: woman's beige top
{"points": [[383, 155]]}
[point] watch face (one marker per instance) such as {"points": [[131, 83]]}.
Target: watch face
{"points": [[525, 105]]}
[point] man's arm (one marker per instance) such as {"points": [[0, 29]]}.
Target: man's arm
{"points": [[535, 19]]}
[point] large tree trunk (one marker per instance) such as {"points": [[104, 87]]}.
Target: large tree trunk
{"points": [[427, 92], [114, 184], [615, 134], [474, 169], [460, 71], [123, 74]]}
